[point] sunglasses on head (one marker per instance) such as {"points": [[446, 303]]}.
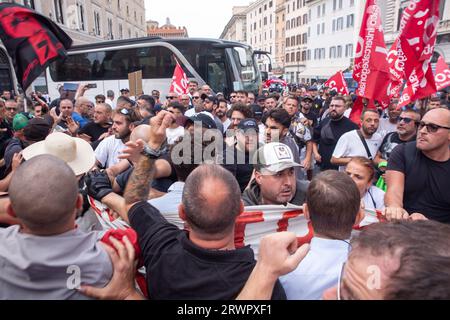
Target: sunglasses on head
{"points": [[431, 127], [125, 111]]}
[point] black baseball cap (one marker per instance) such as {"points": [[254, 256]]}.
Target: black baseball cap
{"points": [[257, 111], [207, 121], [248, 124], [307, 97]]}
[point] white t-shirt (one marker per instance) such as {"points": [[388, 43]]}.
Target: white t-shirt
{"points": [[108, 150], [174, 134], [111, 103], [386, 127], [374, 198], [226, 124], [190, 112], [350, 145]]}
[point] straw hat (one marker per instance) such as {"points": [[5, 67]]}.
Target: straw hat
{"points": [[76, 152]]}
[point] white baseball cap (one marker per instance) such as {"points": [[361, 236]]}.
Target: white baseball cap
{"points": [[275, 157]]}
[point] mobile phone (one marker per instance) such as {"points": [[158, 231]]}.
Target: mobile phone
{"points": [[70, 86], [91, 85]]}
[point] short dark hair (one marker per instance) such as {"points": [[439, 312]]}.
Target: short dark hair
{"points": [[242, 92], [422, 249], [222, 101], [176, 105], [340, 98], [333, 201], [130, 114], [280, 116], [368, 110], [100, 96], [212, 218], [148, 99], [242, 108]]}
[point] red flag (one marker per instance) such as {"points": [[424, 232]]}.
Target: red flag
{"points": [[416, 45], [179, 81], [337, 83], [371, 69], [33, 41], [442, 76]]}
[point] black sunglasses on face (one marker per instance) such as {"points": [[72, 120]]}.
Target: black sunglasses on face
{"points": [[170, 97], [431, 127], [405, 120]]}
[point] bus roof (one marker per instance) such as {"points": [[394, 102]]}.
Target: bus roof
{"points": [[116, 43]]}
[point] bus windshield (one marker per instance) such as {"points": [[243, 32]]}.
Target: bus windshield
{"points": [[247, 68]]}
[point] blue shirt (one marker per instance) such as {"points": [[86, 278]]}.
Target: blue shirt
{"points": [[78, 118], [318, 271]]}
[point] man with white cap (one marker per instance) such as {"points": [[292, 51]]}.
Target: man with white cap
{"points": [[275, 180]]}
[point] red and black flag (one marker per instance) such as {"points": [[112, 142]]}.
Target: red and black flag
{"points": [[32, 40]]}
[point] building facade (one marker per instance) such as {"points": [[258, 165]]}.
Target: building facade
{"points": [[236, 28], [280, 35], [296, 39], [167, 30], [260, 29], [88, 21]]}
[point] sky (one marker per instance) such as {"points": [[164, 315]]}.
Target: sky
{"points": [[202, 18]]}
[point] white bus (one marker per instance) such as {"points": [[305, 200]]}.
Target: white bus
{"points": [[224, 65]]}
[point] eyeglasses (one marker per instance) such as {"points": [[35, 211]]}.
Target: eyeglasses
{"points": [[405, 120], [431, 127], [168, 97], [11, 109], [195, 98]]}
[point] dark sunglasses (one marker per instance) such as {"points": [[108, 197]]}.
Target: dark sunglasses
{"points": [[195, 98], [431, 127], [170, 97], [405, 120], [11, 109]]}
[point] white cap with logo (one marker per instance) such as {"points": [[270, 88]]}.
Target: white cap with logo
{"points": [[275, 157]]}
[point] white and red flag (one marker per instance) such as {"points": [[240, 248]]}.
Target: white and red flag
{"points": [[442, 77], [179, 81], [415, 45], [337, 83], [371, 69]]}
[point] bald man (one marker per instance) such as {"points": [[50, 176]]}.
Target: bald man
{"points": [[47, 257], [83, 111], [418, 173]]}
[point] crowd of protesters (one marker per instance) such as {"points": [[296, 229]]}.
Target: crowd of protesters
{"points": [[207, 156]]}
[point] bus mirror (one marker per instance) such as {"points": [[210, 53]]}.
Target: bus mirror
{"points": [[242, 56], [264, 76]]}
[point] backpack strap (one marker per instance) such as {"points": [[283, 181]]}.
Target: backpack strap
{"points": [[363, 140]]}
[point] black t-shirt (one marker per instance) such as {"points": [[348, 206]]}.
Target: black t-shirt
{"points": [[327, 134], [313, 115], [427, 182], [5, 136], [93, 130], [241, 167], [390, 141], [177, 269]]}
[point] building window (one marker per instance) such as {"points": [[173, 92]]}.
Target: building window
{"points": [[110, 29], [293, 41], [309, 32], [303, 55], [120, 31], [287, 57], [80, 10], [318, 29], [298, 56], [97, 23], [308, 52], [349, 50], [270, 4], [128, 14], [340, 4], [135, 16], [59, 11], [334, 5], [299, 21], [292, 57], [339, 24], [265, 21], [332, 52], [323, 27], [288, 42], [323, 9], [339, 51], [318, 11], [288, 25], [352, 3], [305, 38], [299, 39], [29, 4], [118, 5], [350, 20]]}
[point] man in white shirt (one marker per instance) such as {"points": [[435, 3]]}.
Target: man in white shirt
{"points": [[109, 149], [333, 217], [389, 124], [351, 143], [110, 99]]}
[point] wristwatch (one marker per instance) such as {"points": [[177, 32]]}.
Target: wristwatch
{"points": [[152, 153]]}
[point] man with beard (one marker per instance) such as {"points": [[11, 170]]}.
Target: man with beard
{"points": [[221, 113], [418, 173], [364, 142], [209, 104], [109, 149], [275, 179], [308, 111], [97, 130], [389, 124], [328, 132]]}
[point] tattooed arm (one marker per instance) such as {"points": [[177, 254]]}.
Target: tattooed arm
{"points": [[138, 185]]}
